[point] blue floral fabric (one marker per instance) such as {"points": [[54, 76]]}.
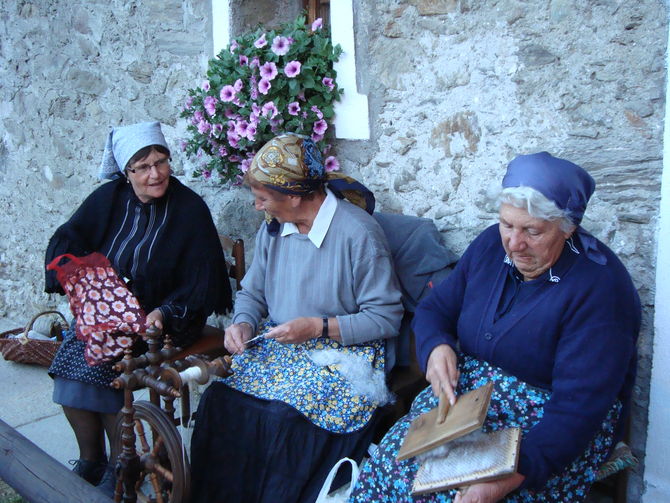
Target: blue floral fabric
{"points": [[513, 404], [285, 372]]}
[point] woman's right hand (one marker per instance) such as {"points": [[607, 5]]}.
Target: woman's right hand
{"points": [[442, 371], [236, 336]]}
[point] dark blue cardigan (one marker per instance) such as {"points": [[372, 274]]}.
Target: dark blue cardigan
{"points": [[575, 337]]}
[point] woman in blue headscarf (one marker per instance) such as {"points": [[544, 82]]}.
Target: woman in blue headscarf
{"points": [[546, 312]]}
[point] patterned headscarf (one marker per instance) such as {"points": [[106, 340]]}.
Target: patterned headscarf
{"points": [[569, 186], [124, 142], [292, 164]]}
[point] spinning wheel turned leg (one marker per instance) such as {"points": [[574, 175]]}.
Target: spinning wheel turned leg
{"points": [[164, 473]]}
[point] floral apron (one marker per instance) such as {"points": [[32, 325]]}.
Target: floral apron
{"points": [[513, 403]]}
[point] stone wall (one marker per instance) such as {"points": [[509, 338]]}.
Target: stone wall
{"points": [[456, 89]]}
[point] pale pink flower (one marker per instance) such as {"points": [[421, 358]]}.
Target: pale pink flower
{"points": [[241, 128], [294, 108], [292, 69], [261, 42], [227, 93], [222, 151], [188, 102], [317, 24], [206, 174], [251, 132], [331, 164], [317, 112], [205, 85], [233, 46], [264, 86], [182, 145], [245, 165], [210, 105], [204, 127], [217, 129], [255, 63], [244, 61], [238, 85], [269, 108], [280, 45], [316, 138], [320, 127], [268, 70], [328, 82]]}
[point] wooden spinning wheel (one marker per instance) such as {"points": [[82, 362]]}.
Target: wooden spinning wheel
{"points": [[165, 471], [151, 462]]}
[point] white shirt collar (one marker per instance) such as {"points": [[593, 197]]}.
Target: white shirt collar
{"points": [[321, 222]]}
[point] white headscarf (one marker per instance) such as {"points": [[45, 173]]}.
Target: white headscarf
{"points": [[124, 142]]}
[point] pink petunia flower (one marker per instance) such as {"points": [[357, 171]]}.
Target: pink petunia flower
{"points": [[245, 165], [255, 63], [270, 109], [198, 116], [205, 85], [204, 127], [317, 112], [331, 164], [217, 129], [206, 174], [316, 138], [320, 127], [244, 61], [294, 108], [227, 93], [292, 69], [280, 45], [210, 105], [317, 24], [301, 95], [251, 132], [241, 128], [268, 70], [238, 85], [328, 82], [182, 145], [264, 86], [261, 42], [233, 46], [222, 151], [188, 102]]}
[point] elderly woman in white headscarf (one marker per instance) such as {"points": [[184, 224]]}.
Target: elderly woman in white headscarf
{"points": [[549, 315], [160, 238]]}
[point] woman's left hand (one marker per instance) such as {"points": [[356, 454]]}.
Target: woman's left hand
{"points": [[155, 318], [296, 331], [489, 492]]}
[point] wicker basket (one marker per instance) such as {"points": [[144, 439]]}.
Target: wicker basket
{"points": [[34, 351]]}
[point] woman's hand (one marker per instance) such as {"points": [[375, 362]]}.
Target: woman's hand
{"points": [[155, 319], [489, 492], [296, 331], [236, 337], [442, 371]]}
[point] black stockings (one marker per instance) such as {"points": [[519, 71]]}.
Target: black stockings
{"points": [[89, 429]]}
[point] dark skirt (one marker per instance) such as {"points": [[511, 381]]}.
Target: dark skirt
{"points": [[514, 403], [245, 449], [79, 395]]}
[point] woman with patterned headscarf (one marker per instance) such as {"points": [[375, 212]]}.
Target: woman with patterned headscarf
{"points": [[549, 315], [306, 389]]}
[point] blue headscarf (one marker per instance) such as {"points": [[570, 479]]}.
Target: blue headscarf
{"points": [[569, 186]]}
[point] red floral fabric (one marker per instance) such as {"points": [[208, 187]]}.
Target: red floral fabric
{"points": [[108, 316]]}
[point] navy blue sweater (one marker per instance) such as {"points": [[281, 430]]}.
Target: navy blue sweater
{"points": [[575, 337]]}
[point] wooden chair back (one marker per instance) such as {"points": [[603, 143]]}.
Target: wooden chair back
{"points": [[234, 251]]}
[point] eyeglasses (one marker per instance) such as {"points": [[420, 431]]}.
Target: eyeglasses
{"points": [[144, 169]]}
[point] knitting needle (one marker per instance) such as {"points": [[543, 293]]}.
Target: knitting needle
{"points": [[255, 338]]}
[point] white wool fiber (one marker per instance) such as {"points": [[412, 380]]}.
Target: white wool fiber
{"points": [[363, 379], [462, 456]]}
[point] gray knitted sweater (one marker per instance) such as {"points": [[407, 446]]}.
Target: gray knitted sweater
{"points": [[350, 277]]}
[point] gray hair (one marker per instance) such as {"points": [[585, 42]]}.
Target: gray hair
{"points": [[537, 205]]}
